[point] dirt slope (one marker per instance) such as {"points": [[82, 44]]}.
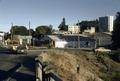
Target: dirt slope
{"points": [[91, 67]]}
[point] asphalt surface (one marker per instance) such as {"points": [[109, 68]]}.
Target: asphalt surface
{"points": [[17, 67]]}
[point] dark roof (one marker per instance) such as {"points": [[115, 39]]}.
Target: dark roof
{"points": [[67, 38], [76, 38]]}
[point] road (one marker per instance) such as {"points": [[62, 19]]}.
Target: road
{"points": [[17, 67]]}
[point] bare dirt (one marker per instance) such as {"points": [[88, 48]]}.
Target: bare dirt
{"points": [[91, 67]]}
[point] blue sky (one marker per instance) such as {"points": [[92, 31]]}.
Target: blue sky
{"points": [[46, 12]]}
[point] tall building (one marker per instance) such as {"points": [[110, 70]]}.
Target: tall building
{"points": [[74, 29], [106, 24]]}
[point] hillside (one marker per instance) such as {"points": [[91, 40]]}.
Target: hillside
{"points": [[91, 66]]}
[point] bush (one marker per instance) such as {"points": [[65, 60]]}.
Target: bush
{"points": [[49, 46], [115, 56]]}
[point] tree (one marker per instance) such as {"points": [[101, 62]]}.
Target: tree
{"points": [[85, 24], [31, 32], [7, 36], [19, 30], [63, 25], [44, 29], [116, 32]]}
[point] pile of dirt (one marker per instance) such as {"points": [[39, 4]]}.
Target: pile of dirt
{"points": [[90, 66]]}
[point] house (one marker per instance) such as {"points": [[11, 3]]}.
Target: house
{"points": [[2, 37], [71, 41], [103, 39], [22, 40]]}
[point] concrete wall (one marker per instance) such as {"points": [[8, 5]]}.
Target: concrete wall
{"points": [[42, 75], [38, 72]]}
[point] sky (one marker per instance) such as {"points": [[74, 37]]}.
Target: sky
{"points": [[46, 12]]}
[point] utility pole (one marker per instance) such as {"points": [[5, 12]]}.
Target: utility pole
{"points": [[29, 29], [78, 37], [30, 33], [3, 39], [78, 41], [12, 33]]}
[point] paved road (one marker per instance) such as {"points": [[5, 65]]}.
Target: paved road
{"points": [[10, 70], [17, 67]]}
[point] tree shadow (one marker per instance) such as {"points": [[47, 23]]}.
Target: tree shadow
{"points": [[28, 62], [17, 76]]}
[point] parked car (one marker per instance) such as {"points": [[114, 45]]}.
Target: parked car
{"points": [[102, 49], [13, 49], [21, 50]]}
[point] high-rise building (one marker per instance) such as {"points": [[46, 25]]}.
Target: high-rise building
{"points": [[106, 24]]}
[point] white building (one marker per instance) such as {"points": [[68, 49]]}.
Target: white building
{"points": [[74, 29], [2, 37], [25, 39], [2, 33], [90, 30], [106, 24], [110, 23], [72, 41], [22, 39]]}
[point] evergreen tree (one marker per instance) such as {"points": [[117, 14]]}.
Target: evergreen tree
{"points": [[63, 25]]}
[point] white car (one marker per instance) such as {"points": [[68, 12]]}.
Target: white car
{"points": [[102, 49], [21, 49]]}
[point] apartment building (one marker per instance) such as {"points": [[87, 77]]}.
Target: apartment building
{"points": [[106, 24], [74, 29]]}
